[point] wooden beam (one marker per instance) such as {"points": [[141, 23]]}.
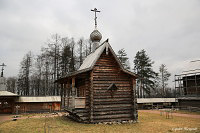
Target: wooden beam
{"points": [[91, 95], [68, 92], [73, 92], [62, 96], [135, 113]]}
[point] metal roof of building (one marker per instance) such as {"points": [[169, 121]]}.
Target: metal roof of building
{"points": [[192, 68], [156, 100], [7, 93], [92, 58], [39, 99]]}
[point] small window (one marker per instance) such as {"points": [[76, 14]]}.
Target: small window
{"points": [[112, 89]]}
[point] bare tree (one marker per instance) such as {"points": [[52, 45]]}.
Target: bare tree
{"points": [[60, 56], [25, 70], [11, 84], [80, 43], [72, 60], [164, 77]]}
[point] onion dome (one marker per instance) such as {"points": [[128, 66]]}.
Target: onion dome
{"points": [[95, 36]]}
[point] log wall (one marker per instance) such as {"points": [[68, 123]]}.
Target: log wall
{"points": [[111, 106], [38, 107], [102, 102]]}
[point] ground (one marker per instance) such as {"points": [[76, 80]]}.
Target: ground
{"points": [[150, 122]]}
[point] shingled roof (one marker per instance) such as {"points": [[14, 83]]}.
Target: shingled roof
{"points": [[91, 59]]}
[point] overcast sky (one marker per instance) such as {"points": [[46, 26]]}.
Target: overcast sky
{"points": [[169, 30]]}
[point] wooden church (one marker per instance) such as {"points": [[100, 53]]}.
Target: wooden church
{"points": [[101, 90]]}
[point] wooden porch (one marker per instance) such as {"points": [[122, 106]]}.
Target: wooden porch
{"points": [[76, 108], [73, 94], [73, 103]]}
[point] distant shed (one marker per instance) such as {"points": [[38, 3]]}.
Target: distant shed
{"points": [[38, 103]]}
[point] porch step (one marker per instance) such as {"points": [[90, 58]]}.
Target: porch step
{"points": [[80, 114]]}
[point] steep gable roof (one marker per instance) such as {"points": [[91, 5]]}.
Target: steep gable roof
{"points": [[91, 59]]}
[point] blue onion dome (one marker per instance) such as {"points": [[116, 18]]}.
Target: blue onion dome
{"points": [[95, 36]]}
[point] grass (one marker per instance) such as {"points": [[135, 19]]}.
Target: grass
{"points": [[148, 122]]}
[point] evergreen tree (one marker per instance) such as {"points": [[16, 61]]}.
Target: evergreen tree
{"points": [[123, 58], [143, 68]]}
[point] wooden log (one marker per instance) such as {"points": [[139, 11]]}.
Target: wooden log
{"points": [[91, 97], [105, 88], [115, 96], [112, 106], [110, 112], [111, 109], [110, 82], [112, 102], [114, 116], [134, 100], [125, 89], [107, 85], [73, 92], [68, 92], [111, 99], [112, 120]]}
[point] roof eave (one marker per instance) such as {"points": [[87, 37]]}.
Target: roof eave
{"points": [[73, 74]]}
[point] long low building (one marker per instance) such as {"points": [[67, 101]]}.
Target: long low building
{"points": [[149, 102], [156, 100], [38, 103], [13, 103]]}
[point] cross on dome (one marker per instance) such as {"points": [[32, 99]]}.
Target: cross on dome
{"points": [[95, 19]]}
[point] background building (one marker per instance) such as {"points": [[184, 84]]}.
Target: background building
{"points": [[187, 85]]}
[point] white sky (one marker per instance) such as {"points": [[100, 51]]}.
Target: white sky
{"points": [[169, 30]]}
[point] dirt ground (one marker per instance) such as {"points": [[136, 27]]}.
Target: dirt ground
{"points": [[8, 117], [5, 117], [173, 114]]}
